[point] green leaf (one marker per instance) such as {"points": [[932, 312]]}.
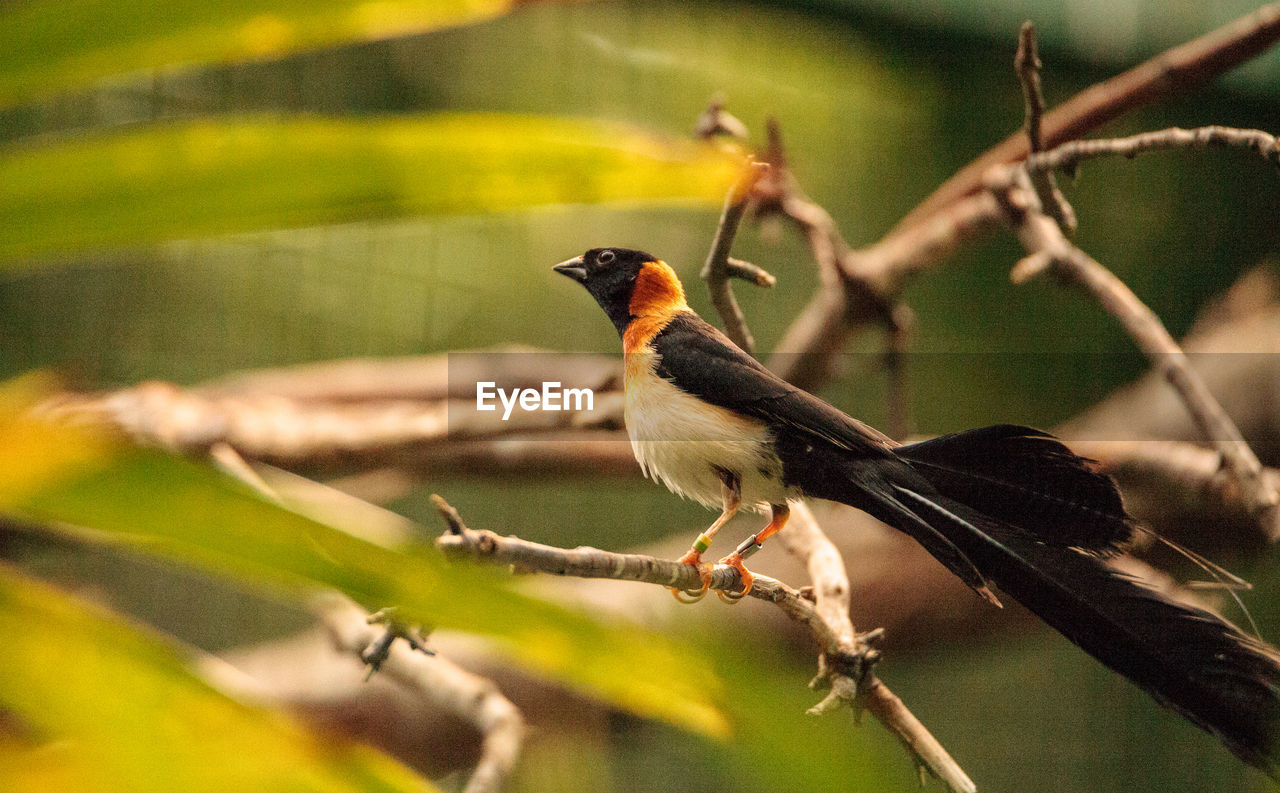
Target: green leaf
{"points": [[93, 704], [49, 46], [211, 177], [106, 491]]}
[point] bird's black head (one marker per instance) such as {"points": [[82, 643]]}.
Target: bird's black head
{"points": [[625, 283]]}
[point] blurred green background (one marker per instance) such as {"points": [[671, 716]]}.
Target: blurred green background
{"points": [[879, 102]]}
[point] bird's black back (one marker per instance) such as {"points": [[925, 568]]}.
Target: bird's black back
{"points": [[702, 361]]}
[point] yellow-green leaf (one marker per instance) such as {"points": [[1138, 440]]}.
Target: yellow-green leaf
{"points": [[94, 704], [210, 177], [49, 46], [190, 513]]}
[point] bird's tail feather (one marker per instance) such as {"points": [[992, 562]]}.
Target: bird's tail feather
{"points": [[1028, 479], [1031, 517]]}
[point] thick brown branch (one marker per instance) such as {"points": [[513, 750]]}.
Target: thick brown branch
{"points": [[1168, 479], [415, 378], [315, 435], [1169, 73]]}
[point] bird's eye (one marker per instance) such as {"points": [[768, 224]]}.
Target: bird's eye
{"points": [[606, 257]]}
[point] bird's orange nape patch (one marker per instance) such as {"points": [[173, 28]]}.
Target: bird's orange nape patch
{"points": [[657, 291]]}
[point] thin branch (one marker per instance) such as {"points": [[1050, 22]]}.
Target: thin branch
{"points": [[850, 293], [717, 271], [805, 540], [1026, 62], [1170, 73], [1048, 248], [715, 122], [868, 284], [471, 697], [837, 642], [736, 268], [1068, 156]]}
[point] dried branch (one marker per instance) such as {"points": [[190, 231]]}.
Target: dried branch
{"points": [[1170, 73], [867, 285], [1048, 248], [805, 540], [469, 696], [736, 268], [847, 658], [1026, 62], [304, 434], [719, 268], [716, 122], [849, 294], [1068, 156]]}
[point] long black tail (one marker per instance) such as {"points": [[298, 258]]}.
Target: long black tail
{"points": [[1015, 507]]}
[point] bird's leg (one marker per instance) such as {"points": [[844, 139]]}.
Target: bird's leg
{"points": [[749, 546], [731, 497]]}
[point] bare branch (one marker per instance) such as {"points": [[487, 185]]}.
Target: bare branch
{"points": [[866, 284], [715, 122], [1048, 247], [1068, 156], [1172, 72], [736, 268], [885, 705], [805, 540], [717, 270], [835, 638], [436, 680], [851, 293], [1151, 471], [303, 434], [1026, 61]]}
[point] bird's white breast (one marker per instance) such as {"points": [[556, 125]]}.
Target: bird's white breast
{"points": [[684, 442]]}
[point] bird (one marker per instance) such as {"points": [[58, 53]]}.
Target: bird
{"points": [[1006, 507]]}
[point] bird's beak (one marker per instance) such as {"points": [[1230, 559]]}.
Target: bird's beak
{"points": [[575, 268]]}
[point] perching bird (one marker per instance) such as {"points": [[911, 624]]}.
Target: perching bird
{"points": [[1002, 505]]}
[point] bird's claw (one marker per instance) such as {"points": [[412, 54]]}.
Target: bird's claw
{"points": [[734, 560], [688, 596]]}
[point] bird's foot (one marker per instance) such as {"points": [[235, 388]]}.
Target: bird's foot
{"points": [[694, 557], [734, 560]]}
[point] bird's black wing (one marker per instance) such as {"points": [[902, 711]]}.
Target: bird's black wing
{"points": [[702, 361]]}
